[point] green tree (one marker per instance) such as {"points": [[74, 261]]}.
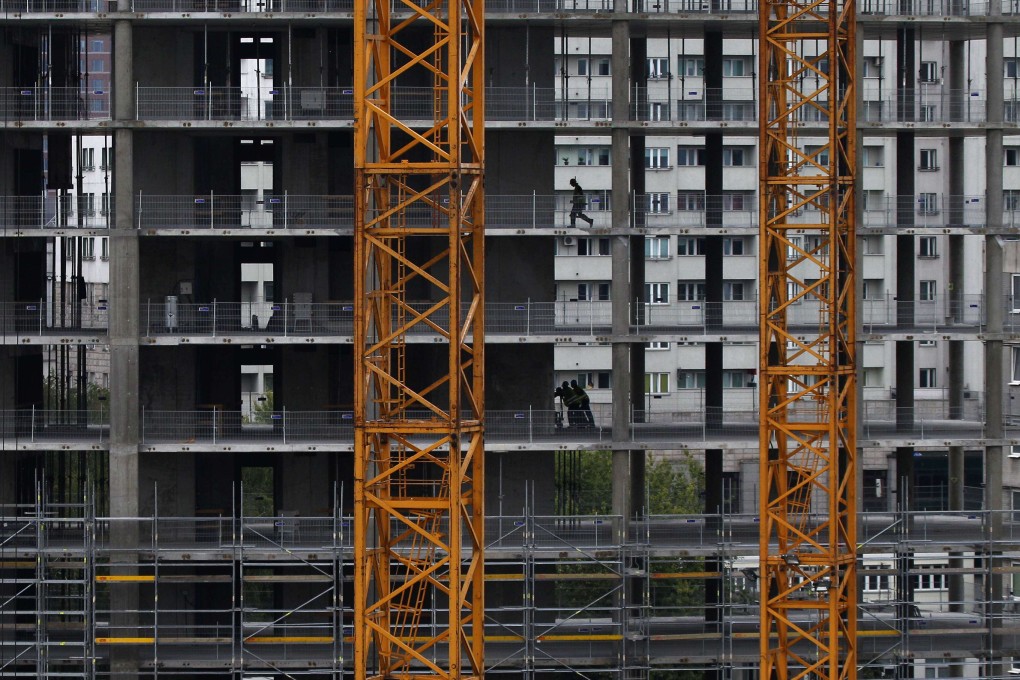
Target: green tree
{"points": [[261, 410]]}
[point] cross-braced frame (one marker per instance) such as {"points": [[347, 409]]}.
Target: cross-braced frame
{"points": [[419, 339], [808, 396]]}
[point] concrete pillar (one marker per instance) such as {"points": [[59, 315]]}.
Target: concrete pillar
{"points": [[994, 306], [123, 334], [956, 584]]}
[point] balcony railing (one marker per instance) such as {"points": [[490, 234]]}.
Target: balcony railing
{"points": [[682, 417], [49, 212], [42, 318], [53, 103], [55, 426]]}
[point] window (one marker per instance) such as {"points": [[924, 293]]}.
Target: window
{"points": [[929, 160], [736, 156], [927, 292], [593, 291], [874, 289], [658, 67], [819, 154], [105, 155], [690, 291], [875, 582], [656, 383], [1015, 373], [690, 155], [737, 200], [794, 250], [1015, 280], [88, 248], [593, 156], [1011, 200], [593, 246], [87, 204], [104, 248], [105, 205], [689, 380], [1012, 156], [734, 290], [97, 45], [873, 157], [690, 200], [656, 346], [97, 85], [691, 66], [88, 158], [593, 379], [871, 245], [657, 158], [872, 67], [582, 67], [658, 111], [927, 246], [1012, 67], [735, 66], [927, 113], [928, 578], [602, 67], [657, 293], [734, 379], [929, 72], [98, 65], [658, 203], [928, 204], [733, 245], [872, 377], [690, 245], [656, 247]]}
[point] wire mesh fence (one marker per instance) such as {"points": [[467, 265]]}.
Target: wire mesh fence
{"points": [[78, 426], [52, 212], [46, 318], [53, 103]]}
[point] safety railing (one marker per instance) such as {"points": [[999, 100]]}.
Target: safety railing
{"points": [[43, 318], [51, 212], [297, 103], [933, 415], [35, 425], [935, 104], [684, 102], [45, 6], [169, 317], [27, 104], [686, 210]]}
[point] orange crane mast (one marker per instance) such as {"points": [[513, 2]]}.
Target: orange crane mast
{"points": [[808, 398], [419, 339]]}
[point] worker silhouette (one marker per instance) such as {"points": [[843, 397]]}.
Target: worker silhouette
{"points": [[578, 203], [585, 417]]}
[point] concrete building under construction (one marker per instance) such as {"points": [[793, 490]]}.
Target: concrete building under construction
{"points": [[177, 325]]}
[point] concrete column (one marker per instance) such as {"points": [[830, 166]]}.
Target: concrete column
{"points": [[123, 334], [956, 586], [622, 293], [994, 306]]}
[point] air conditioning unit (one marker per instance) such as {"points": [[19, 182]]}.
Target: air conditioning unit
{"points": [[568, 240]]}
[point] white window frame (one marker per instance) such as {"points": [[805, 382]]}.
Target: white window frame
{"points": [[1011, 156], [928, 72], [927, 290], [927, 378], [593, 246], [690, 380], [736, 156], [928, 160], [690, 246], [657, 248], [657, 346], [693, 291], [657, 158], [582, 66], [657, 383], [735, 291], [928, 203], [657, 293], [874, 156], [734, 245], [693, 67], [658, 203], [690, 156], [927, 247], [658, 68], [1015, 288], [735, 67]]}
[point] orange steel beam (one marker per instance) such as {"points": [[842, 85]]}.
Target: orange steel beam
{"points": [[419, 273], [808, 398]]}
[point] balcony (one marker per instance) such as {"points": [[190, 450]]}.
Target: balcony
{"points": [[41, 429]]}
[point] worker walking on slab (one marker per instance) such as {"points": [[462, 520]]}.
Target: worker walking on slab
{"points": [[578, 203]]}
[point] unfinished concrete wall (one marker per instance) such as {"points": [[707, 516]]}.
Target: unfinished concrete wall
{"points": [[167, 378], [302, 382], [307, 485], [166, 484], [519, 162], [163, 56], [174, 173]]}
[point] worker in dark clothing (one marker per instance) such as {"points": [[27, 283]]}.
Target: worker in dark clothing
{"points": [[573, 403], [578, 203], [585, 418]]}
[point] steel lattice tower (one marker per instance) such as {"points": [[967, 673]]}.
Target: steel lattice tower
{"points": [[808, 399], [419, 338]]}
